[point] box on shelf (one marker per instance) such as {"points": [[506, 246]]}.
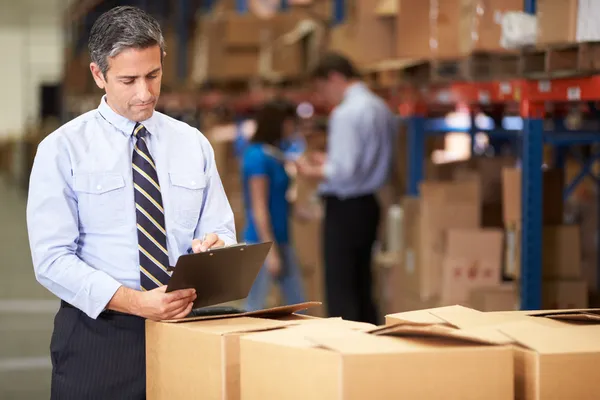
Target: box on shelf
{"points": [[561, 252], [564, 294], [450, 28], [473, 259], [502, 297], [442, 206], [567, 21], [344, 364], [365, 36], [552, 211]]}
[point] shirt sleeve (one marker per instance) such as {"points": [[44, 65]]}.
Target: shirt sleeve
{"points": [[53, 226], [343, 148], [216, 215], [255, 163]]}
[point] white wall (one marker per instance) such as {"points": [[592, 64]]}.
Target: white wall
{"points": [[32, 48]]}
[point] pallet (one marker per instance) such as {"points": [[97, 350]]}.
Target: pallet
{"points": [[560, 60], [390, 73], [478, 66]]}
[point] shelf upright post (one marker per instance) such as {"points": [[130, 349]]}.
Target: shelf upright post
{"points": [[241, 6], [530, 6], [415, 152], [531, 206], [339, 11]]}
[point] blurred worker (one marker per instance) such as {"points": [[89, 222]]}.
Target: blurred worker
{"points": [[357, 164], [116, 196], [265, 184]]}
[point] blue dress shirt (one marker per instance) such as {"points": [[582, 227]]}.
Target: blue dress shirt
{"points": [[360, 144], [81, 210]]}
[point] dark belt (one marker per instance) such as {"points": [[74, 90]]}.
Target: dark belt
{"points": [[64, 304], [328, 196]]}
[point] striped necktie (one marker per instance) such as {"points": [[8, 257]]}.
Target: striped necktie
{"points": [[150, 216]]}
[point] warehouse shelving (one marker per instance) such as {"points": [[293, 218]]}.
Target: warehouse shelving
{"points": [[531, 98]]}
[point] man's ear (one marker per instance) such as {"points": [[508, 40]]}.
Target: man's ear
{"points": [[98, 75]]}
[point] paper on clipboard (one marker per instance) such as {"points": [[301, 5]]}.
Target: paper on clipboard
{"points": [[219, 275]]}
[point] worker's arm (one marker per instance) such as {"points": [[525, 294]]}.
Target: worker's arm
{"points": [[256, 168], [53, 225]]}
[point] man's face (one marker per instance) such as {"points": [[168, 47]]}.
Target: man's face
{"points": [[132, 82], [332, 89]]}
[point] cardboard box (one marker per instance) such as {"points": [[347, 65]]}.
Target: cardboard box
{"points": [[554, 352], [561, 252], [473, 259], [443, 206], [343, 364], [481, 24], [213, 60], [199, 357], [450, 28], [557, 21], [365, 37], [564, 294], [552, 212], [503, 297], [554, 363]]}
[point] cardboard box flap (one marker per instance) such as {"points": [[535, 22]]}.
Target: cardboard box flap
{"points": [[544, 340], [274, 312], [589, 316], [238, 325], [297, 336], [475, 336], [356, 343], [456, 316]]}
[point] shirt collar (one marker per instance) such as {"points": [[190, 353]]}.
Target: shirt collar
{"points": [[123, 124], [353, 89]]}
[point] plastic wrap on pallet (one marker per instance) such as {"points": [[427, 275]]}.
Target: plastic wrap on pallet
{"points": [[519, 29]]}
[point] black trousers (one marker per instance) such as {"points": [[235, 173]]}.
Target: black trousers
{"points": [[350, 229], [97, 359]]}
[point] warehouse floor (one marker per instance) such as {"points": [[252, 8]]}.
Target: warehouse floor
{"points": [[26, 308]]}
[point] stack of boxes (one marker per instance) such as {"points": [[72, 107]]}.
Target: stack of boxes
{"points": [[563, 283], [461, 243], [449, 352]]}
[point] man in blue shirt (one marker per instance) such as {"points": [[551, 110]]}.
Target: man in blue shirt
{"points": [[116, 196], [357, 164]]}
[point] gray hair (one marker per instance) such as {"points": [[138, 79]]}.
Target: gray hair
{"points": [[123, 28]]}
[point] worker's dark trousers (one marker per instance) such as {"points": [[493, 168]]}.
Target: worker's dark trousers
{"points": [[100, 359], [349, 231]]}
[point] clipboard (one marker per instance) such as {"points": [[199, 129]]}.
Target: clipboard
{"points": [[220, 275]]}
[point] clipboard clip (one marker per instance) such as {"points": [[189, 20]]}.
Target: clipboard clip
{"points": [[242, 244]]}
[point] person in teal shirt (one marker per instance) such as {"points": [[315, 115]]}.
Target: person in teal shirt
{"points": [[265, 184]]}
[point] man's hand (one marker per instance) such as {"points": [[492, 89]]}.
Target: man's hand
{"points": [[309, 169], [210, 241], [157, 305], [273, 262]]}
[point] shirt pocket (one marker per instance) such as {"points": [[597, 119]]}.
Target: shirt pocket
{"points": [[101, 199], [187, 194]]}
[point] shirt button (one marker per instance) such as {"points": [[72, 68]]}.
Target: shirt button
{"points": [[98, 187], [193, 182]]}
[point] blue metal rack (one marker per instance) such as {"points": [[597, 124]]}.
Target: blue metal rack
{"points": [[532, 137]]}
